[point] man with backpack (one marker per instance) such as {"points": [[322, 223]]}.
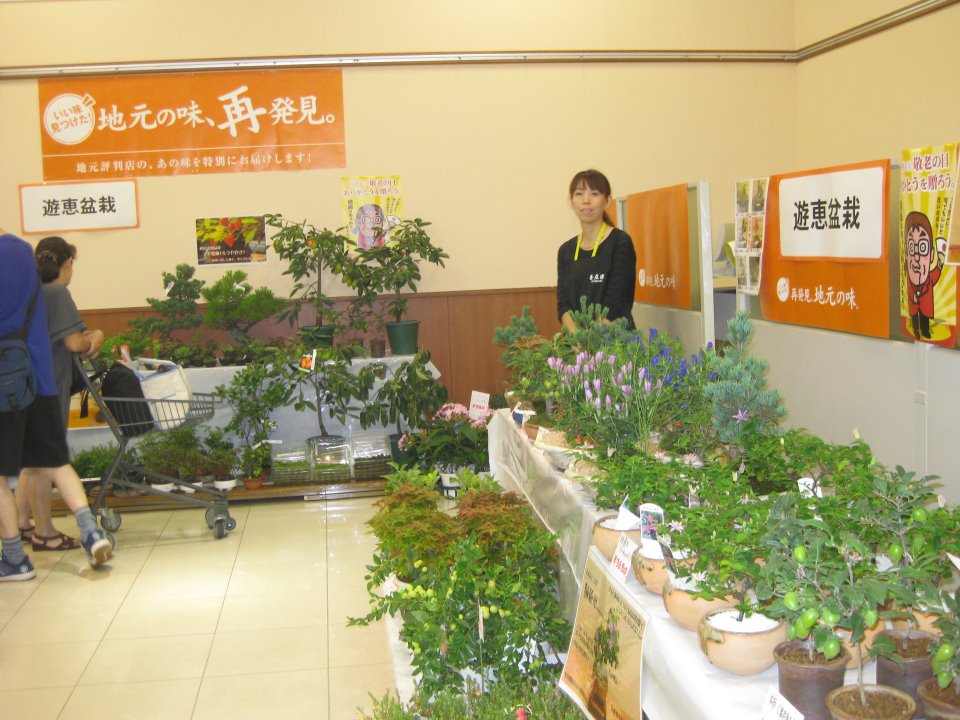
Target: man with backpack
{"points": [[32, 431]]}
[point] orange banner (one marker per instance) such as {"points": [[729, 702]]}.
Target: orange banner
{"points": [[823, 288], [191, 123], [657, 222]]}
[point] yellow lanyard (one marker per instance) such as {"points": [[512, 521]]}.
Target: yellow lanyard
{"points": [[576, 253]]}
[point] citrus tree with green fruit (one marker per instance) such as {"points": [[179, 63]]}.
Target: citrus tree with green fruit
{"points": [[945, 658]]}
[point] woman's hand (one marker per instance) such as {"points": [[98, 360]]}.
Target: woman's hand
{"points": [[96, 338]]}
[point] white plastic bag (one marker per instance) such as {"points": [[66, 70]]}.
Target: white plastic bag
{"points": [[164, 380]]}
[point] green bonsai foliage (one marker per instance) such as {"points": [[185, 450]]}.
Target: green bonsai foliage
{"points": [[95, 461], [526, 357], [406, 396], [491, 564], [256, 390], [739, 394], [309, 253], [234, 305], [395, 266], [178, 311], [328, 385]]}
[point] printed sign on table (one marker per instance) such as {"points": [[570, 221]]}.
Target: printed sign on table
{"points": [[62, 207], [656, 220], [371, 208], [824, 261], [928, 273], [191, 123], [602, 671]]}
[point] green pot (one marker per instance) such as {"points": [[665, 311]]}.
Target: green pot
{"points": [[403, 336], [317, 335]]}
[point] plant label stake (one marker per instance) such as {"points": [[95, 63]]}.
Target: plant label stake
{"points": [[777, 707], [620, 563]]}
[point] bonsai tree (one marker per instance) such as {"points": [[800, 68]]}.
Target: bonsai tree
{"points": [[309, 253], [233, 305], [525, 357], [739, 395], [395, 266], [255, 391], [944, 658], [219, 454], [407, 395], [178, 310], [326, 382]]}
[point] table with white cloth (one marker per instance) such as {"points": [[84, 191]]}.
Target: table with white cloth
{"points": [[292, 427], [678, 682]]}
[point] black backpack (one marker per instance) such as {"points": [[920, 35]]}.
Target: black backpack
{"points": [[18, 383], [121, 389]]}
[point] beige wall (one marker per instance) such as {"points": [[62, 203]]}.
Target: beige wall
{"points": [[485, 152]]}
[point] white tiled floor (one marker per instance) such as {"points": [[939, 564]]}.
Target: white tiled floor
{"points": [[183, 626]]}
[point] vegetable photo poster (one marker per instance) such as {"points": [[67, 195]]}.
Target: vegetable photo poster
{"points": [[602, 671]]}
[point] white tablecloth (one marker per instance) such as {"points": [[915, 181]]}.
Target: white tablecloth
{"points": [[293, 427], [678, 683]]}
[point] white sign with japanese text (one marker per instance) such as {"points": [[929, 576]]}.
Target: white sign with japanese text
{"points": [[833, 215], [777, 707], [61, 207], [620, 562], [479, 404]]}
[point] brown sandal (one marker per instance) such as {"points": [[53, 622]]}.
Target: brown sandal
{"points": [[26, 534], [64, 542]]}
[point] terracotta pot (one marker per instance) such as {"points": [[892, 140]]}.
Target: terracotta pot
{"points": [[378, 347], [254, 483], [606, 538], [686, 610], [935, 704], [909, 706], [652, 572], [742, 652], [531, 430], [806, 685], [914, 670]]}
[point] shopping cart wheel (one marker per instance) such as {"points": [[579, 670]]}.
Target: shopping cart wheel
{"points": [[110, 519], [210, 516], [231, 524], [220, 528]]}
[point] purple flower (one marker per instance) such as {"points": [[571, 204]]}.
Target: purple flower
{"points": [[587, 393], [741, 416], [608, 402], [647, 386], [676, 525], [642, 374], [596, 403], [596, 384], [586, 387], [627, 390]]}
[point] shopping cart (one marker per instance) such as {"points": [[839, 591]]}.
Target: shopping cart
{"points": [[131, 418]]}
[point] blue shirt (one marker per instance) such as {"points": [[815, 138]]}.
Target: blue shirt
{"points": [[18, 278]]}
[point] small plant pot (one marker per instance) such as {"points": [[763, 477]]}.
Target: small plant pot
{"points": [[403, 336], [651, 572], [164, 487], [804, 684], [916, 663], [378, 347], [606, 538], [254, 483], [939, 704], [225, 484], [743, 646], [685, 609], [844, 703]]}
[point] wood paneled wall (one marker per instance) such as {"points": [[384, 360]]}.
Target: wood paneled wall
{"points": [[456, 327]]}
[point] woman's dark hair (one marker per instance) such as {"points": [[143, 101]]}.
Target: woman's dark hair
{"points": [[52, 253], [595, 180]]}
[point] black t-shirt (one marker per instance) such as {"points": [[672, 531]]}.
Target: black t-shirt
{"points": [[608, 279]]}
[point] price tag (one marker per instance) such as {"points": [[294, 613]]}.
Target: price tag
{"points": [[479, 404], [620, 563], [777, 707]]}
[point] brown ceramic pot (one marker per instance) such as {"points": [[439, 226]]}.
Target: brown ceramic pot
{"points": [[686, 610], [806, 685], [744, 651], [905, 702]]}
